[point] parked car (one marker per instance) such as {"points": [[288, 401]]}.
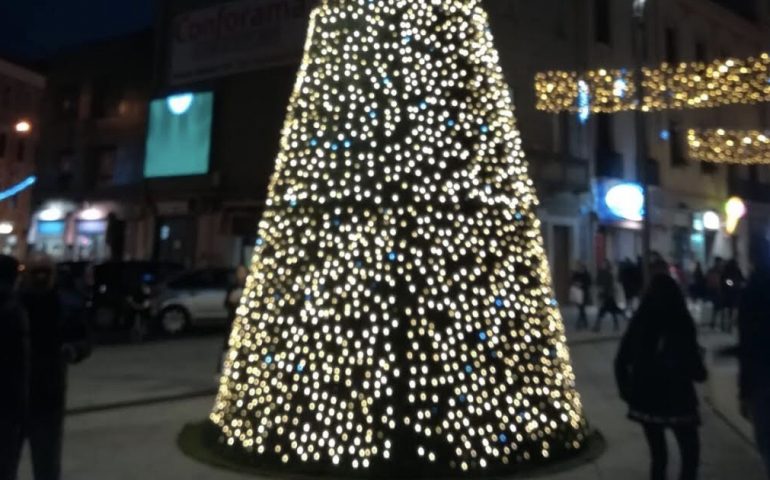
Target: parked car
{"points": [[114, 282], [194, 299]]}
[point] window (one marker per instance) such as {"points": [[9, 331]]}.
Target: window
{"points": [[672, 51], [65, 168], [700, 52], [3, 144], [604, 140], [21, 150], [106, 100], [763, 174], [709, 168], [560, 27], [6, 97], [564, 133], [67, 100], [103, 165], [678, 158], [602, 15]]}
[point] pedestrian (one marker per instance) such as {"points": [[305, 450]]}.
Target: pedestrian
{"points": [[580, 293], [232, 301], [605, 283], [626, 276], [658, 362], [56, 337], [14, 368], [754, 354], [714, 289], [697, 287], [731, 283], [139, 310]]}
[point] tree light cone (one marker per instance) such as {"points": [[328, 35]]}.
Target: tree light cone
{"points": [[399, 312]]}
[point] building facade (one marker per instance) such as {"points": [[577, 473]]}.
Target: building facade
{"points": [[108, 105], [576, 162], [90, 202], [20, 95]]}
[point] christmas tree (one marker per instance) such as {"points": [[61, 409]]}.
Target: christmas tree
{"points": [[399, 313]]}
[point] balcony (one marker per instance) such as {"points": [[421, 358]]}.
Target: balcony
{"points": [[609, 164], [554, 173]]}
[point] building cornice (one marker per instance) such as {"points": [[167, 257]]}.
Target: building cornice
{"points": [[22, 74]]}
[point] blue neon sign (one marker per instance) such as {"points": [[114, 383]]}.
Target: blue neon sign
{"points": [[18, 188]]}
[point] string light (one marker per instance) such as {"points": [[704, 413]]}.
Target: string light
{"points": [[399, 304], [668, 86], [742, 147]]}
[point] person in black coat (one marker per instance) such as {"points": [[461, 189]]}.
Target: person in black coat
{"points": [[754, 352], [658, 363], [14, 365], [57, 336]]}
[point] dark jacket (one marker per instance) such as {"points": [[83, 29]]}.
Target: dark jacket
{"points": [[57, 335], [754, 334], [658, 362], [14, 353]]}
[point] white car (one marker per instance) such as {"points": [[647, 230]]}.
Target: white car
{"points": [[194, 299]]}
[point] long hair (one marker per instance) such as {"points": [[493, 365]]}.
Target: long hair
{"points": [[663, 311]]}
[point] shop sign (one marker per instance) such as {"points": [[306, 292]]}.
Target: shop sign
{"points": [[619, 201], [236, 37]]}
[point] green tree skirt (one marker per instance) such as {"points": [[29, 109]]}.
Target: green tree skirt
{"points": [[200, 441]]}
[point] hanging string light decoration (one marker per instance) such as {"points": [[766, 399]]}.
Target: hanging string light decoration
{"points": [[742, 147], [668, 86], [399, 311]]}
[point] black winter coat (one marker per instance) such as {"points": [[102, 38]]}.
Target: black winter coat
{"points": [[656, 373], [57, 336], [14, 351], [754, 334]]}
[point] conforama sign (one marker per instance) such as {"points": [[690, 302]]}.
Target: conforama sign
{"points": [[235, 37]]}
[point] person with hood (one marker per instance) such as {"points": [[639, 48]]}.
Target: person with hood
{"points": [[656, 367], [57, 336], [753, 350], [14, 368]]}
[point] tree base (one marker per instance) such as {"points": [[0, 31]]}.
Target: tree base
{"points": [[200, 441]]}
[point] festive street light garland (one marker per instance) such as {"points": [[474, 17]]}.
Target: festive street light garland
{"points": [[742, 147], [668, 86], [399, 311]]}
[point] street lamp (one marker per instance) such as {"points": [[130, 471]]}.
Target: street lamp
{"points": [[22, 126], [642, 161]]}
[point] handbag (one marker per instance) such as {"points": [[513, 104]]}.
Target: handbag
{"points": [[576, 294]]}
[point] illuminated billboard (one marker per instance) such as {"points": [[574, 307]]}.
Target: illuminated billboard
{"points": [[179, 135]]}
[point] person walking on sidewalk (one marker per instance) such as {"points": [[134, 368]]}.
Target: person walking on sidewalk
{"points": [[57, 336], [656, 367], [731, 283], [754, 353], [581, 287], [605, 282], [14, 368]]}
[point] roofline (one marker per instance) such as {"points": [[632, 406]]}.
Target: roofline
{"points": [[23, 74]]}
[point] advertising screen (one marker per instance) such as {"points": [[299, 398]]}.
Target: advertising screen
{"points": [[179, 135]]}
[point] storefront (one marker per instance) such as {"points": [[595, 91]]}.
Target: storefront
{"points": [[69, 231], [619, 208]]}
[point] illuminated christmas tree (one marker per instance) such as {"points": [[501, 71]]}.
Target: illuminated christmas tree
{"points": [[399, 313]]}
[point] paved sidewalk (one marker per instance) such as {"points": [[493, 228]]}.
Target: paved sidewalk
{"points": [[138, 441]]}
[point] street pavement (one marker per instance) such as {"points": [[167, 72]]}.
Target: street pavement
{"points": [[128, 403]]}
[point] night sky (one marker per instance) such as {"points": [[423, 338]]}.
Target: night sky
{"points": [[32, 30]]}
